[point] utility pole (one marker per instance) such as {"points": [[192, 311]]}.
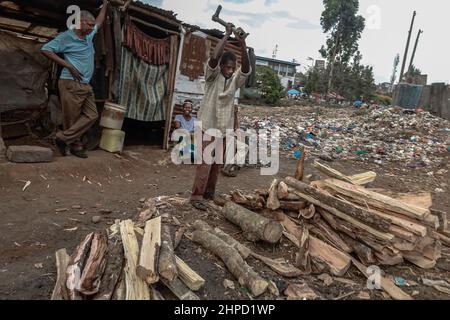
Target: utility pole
{"points": [[407, 47], [414, 51]]}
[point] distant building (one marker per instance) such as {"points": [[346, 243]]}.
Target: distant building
{"points": [[320, 64], [286, 70]]}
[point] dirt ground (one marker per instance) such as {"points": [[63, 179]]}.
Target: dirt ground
{"points": [[56, 211]]}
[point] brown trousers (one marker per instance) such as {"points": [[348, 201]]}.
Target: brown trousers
{"points": [[206, 176], [78, 108]]}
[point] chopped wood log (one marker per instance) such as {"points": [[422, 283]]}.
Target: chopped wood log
{"points": [[115, 263], [442, 218], [386, 284], [296, 291], [120, 292], [95, 264], [331, 236], [272, 201], [280, 266], [300, 168], [136, 288], [302, 257], [365, 196], [249, 201], [403, 234], [242, 249], [389, 260], [178, 236], [308, 213], [190, 278], [148, 212], [403, 245], [292, 197], [418, 259], [363, 178], [233, 260], [433, 251], [337, 261], [254, 225], [364, 253], [283, 191], [147, 267], [60, 289], [292, 205], [381, 235], [167, 267], [439, 236], [331, 172], [76, 266], [180, 290]]}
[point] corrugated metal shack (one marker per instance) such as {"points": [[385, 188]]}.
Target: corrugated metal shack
{"points": [[146, 59]]}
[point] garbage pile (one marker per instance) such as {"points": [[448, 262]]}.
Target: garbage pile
{"points": [[379, 135]]}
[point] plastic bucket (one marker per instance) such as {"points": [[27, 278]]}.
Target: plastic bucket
{"points": [[112, 140], [113, 116]]}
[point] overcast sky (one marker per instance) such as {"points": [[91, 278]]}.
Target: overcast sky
{"points": [[295, 26]]}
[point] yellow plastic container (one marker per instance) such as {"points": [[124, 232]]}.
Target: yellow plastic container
{"points": [[113, 116], [112, 140]]}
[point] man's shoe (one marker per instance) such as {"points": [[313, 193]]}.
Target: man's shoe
{"points": [[79, 153], [199, 205], [62, 146]]}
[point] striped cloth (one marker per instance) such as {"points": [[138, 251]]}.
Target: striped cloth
{"points": [[142, 88]]}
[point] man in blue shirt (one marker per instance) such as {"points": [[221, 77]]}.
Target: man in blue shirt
{"points": [[76, 94]]}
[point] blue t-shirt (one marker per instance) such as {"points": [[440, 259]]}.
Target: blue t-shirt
{"points": [[185, 124], [78, 52]]}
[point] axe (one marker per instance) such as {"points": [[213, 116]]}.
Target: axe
{"points": [[217, 19]]}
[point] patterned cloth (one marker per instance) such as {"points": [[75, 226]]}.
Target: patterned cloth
{"points": [[216, 110], [142, 88]]}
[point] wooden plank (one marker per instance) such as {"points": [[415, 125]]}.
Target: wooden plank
{"points": [[385, 283], [147, 267], [331, 172], [60, 289], [365, 196], [136, 288], [419, 260], [190, 278]]}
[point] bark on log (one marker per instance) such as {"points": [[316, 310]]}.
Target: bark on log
{"points": [[147, 267], [233, 260], [272, 201], [178, 236], [136, 288], [242, 249], [292, 205], [280, 266], [115, 263], [331, 236], [76, 266], [62, 261], [254, 225], [363, 195], [95, 264], [167, 267]]}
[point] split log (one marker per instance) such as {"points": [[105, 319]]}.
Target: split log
{"points": [[296, 291], [136, 288], [148, 212], [167, 267], [300, 168], [280, 266], [190, 278], [115, 263], [363, 178], [433, 251], [272, 201], [120, 292], [335, 225], [283, 191], [302, 257], [331, 172], [439, 236], [292, 205], [386, 284], [364, 253], [389, 260], [180, 290], [76, 265], [252, 201], [331, 236], [254, 225], [292, 197], [337, 261], [178, 236], [233, 260], [365, 196], [403, 234], [375, 232], [95, 264], [442, 218], [147, 267], [419, 260], [62, 261], [242, 249]]}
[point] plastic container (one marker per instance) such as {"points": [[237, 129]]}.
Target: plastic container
{"points": [[113, 116], [112, 140]]}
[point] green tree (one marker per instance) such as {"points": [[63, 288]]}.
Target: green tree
{"points": [[269, 85], [344, 25], [394, 71]]}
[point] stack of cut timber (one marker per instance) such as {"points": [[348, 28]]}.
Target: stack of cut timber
{"points": [[124, 263]]}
